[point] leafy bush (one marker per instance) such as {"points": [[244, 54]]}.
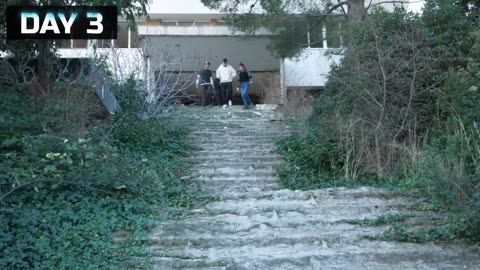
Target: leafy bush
{"points": [[308, 162], [64, 193], [401, 109]]}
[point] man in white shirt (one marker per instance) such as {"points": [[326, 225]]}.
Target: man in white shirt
{"points": [[226, 73]]}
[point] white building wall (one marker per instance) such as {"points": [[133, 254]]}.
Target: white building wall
{"points": [[197, 7], [206, 30], [310, 68], [122, 62]]}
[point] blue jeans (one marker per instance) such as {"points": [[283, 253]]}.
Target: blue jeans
{"points": [[244, 86]]}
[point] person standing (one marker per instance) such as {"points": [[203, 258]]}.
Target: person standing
{"points": [[244, 80], [205, 79], [225, 73]]}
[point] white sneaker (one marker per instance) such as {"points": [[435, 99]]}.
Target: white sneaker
{"points": [[230, 103], [224, 106]]}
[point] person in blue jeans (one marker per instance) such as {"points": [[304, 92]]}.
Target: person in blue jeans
{"points": [[245, 80]]}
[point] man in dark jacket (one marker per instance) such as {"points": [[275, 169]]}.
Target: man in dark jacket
{"points": [[205, 79]]}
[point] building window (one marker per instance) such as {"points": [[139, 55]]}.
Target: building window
{"points": [[122, 35], [63, 43], [168, 23], [202, 23], [80, 43], [334, 33], [312, 33], [185, 23], [301, 33]]}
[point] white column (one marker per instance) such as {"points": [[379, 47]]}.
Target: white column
{"points": [[324, 35], [71, 43], [129, 38], [282, 82], [112, 43], [148, 74], [341, 34], [308, 36]]}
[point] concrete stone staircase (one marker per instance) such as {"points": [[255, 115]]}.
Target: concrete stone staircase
{"points": [[252, 224]]}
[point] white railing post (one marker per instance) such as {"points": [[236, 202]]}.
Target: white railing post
{"points": [[324, 36]]}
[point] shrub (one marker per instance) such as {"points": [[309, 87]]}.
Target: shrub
{"points": [[65, 192]]}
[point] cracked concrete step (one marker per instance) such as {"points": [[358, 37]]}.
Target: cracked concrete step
{"points": [[237, 133], [229, 188], [246, 175], [326, 260], [229, 124], [233, 148], [245, 146], [230, 163], [232, 140], [286, 223], [222, 130], [239, 153], [328, 211], [235, 178], [300, 256], [207, 128], [235, 170], [263, 234], [245, 166], [236, 159], [254, 225]]}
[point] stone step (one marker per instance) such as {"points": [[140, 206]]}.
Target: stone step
{"points": [[387, 256], [228, 148], [227, 138], [320, 208], [236, 132], [248, 157], [238, 192], [239, 178], [235, 171], [262, 234], [224, 118], [220, 146], [230, 163], [218, 127], [241, 187], [252, 224], [278, 222], [240, 156], [255, 250]]}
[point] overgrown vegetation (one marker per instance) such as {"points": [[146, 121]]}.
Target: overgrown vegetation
{"points": [[402, 109], [69, 180]]}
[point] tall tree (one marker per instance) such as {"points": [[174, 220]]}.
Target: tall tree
{"points": [[280, 17]]}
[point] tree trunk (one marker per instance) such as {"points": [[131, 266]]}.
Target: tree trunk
{"points": [[356, 10], [43, 72]]}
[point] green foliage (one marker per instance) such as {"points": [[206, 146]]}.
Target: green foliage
{"points": [[390, 218], [288, 22], [449, 31], [128, 95], [17, 119], [65, 193], [455, 227], [400, 110], [305, 168]]}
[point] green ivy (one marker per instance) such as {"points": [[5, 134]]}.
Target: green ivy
{"points": [[64, 198]]}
